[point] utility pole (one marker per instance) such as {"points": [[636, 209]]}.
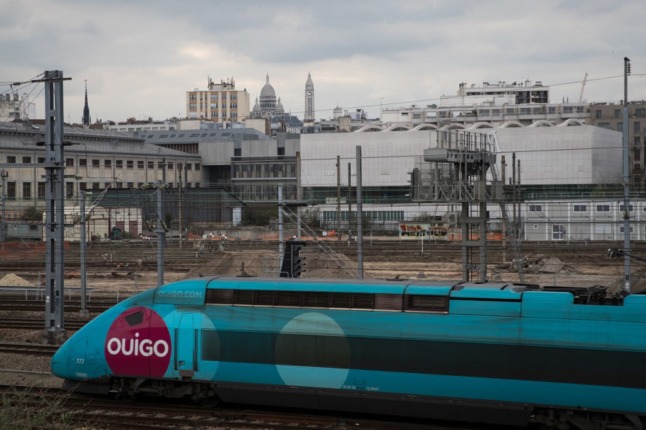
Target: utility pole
{"points": [[55, 208], [3, 227], [281, 239], [626, 169], [84, 313], [299, 194], [359, 216], [338, 198], [161, 235], [179, 203], [349, 203]]}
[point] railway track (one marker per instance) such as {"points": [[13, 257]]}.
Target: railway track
{"points": [[106, 413], [36, 324], [112, 256], [37, 305], [28, 349]]}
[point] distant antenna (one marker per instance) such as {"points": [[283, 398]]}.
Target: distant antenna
{"points": [[585, 78]]}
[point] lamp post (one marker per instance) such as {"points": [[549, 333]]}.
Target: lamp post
{"points": [[3, 227]]}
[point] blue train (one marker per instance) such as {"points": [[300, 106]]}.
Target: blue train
{"points": [[489, 353]]}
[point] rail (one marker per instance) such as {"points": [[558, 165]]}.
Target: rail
{"points": [[39, 292]]}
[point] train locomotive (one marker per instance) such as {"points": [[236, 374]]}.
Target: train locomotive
{"points": [[488, 353]]}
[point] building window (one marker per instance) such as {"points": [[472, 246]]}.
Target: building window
{"points": [[636, 127], [558, 232], [107, 163], [82, 162], [580, 208], [597, 113], [130, 164], [151, 165], [26, 160], [621, 229], [83, 186], [96, 163], [197, 167], [170, 166], [69, 162], [131, 185], [189, 166], [535, 208], [621, 208], [603, 208], [11, 191], [281, 151], [237, 152], [11, 159], [119, 164], [41, 160], [617, 113], [95, 186], [140, 164], [69, 189], [40, 191], [26, 190]]}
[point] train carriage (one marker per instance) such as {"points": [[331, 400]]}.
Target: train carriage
{"points": [[494, 352]]}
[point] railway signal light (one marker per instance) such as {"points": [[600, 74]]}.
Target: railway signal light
{"points": [[292, 260]]}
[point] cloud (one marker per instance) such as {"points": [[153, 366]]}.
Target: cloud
{"points": [[139, 58]]}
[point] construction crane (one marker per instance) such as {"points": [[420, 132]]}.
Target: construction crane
{"points": [[585, 78]]}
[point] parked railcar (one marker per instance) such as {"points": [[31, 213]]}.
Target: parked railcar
{"points": [[24, 230], [490, 353]]}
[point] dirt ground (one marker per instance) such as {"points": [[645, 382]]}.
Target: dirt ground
{"points": [[541, 270]]}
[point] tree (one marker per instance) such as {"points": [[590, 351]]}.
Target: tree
{"points": [[32, 213]]}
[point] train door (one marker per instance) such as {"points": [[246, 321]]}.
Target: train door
{"points": [[186, 347]]}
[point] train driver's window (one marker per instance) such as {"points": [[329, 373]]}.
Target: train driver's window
{"points": [[136, 318]]}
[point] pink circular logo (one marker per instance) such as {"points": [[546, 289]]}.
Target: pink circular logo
{"points": [[138, 344]]}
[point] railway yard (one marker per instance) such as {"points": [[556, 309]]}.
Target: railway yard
{"points": [[118, 269]]}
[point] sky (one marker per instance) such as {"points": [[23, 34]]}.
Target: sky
{"points": [[140, 57]]}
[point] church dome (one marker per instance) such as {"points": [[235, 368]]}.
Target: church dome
{"points": [[279, 107], [267, 91], [268, 99]]}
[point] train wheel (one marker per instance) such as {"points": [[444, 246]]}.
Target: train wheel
{"points": [[210, 402]]}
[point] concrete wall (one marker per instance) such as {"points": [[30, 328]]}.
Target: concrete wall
{"points": [[563, 155], [388, 157]]}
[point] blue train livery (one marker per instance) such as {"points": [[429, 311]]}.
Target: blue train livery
{"points": [[492, 353]]}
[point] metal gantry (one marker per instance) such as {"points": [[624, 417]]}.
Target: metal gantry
{"points": [[469, 157]]}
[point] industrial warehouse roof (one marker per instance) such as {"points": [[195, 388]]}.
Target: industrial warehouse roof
{"points": [[20, 136]]}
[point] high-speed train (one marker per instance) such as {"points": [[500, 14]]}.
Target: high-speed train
{"points": [[489, 353]]}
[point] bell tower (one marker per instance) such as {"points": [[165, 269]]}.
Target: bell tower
{"points": [[309, 100]]}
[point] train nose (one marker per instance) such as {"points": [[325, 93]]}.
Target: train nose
{"points": [[59, 364]]}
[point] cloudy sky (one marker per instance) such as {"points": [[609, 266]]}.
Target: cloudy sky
{"points": [[139, 57]]}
